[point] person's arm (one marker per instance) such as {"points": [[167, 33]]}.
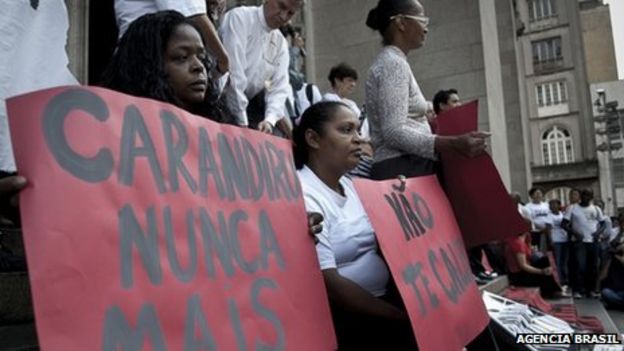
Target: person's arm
{"points": [[525, 266], [279, 91], [602, 224], [196, 11], [470, 144], [393, 95], [233, 33], [566, 224], [394, 82], [212, 41], [353, 298]]}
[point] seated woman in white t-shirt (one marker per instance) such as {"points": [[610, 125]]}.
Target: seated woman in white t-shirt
{"points": [[368, 313]]}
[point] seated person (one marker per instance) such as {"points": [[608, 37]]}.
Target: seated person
{"points": [[613, 271], [613, 287], [368, 313], [526, 269], [162, 56]]}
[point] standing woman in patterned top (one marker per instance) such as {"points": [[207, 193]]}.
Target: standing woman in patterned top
{"points": [[401, 136]]}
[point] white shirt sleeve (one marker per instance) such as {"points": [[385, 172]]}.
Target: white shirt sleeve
{"points": [[280, 88], [600, 217], [568, 213], [186, 7], [233, 32], [326, 257]]}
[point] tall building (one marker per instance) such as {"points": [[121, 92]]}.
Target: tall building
{"points": [[522, 59], [528, 62], [598, 41], [556, 97]]}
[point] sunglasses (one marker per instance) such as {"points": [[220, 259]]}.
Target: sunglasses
{"points": [[423, 20]]}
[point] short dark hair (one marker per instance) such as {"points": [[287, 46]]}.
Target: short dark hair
{"points": [[534, 189], [555, 201], [315, 117], [341, 71], [442, 97]]}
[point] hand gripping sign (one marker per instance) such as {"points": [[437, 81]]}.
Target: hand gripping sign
{"points": [[482, 205], [421, 242], [148, 228]]}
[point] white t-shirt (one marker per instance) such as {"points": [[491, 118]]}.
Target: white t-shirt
{"points": [[347, 241], [32, 56], [584, 220], [126, 11], [539, 215], [558, 234], [365, 130]]}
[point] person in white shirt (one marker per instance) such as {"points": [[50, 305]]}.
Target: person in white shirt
{"points": [[559, 238], [539, 210], [32, 57], [343, 79], [126, 11], [259, 82], [585, 223], [367, 313]]}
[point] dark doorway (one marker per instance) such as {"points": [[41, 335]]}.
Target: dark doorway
{"points": [[102, 37]]}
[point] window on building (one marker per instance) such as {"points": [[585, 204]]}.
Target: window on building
{"points": [[618, 171], [547, 51], [552, 98], [541, 9], [553, 93], [560, 193], [557, 147]]}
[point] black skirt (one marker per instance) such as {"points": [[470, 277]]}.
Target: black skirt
{"points": [[408, 165]]}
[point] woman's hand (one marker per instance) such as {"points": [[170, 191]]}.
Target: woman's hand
{"points": [[547, 271], [471, 144], [315, 224]]}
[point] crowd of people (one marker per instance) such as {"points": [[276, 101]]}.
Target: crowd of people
{"points": [[586, 246], [238, 67]]}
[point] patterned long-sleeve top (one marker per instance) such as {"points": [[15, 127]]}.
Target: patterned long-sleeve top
{"points": [[396, 108]]}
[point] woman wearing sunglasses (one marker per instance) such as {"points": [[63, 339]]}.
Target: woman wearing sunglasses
{"points": [[400, 133]]}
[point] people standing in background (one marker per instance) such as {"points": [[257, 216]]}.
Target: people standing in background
{"points": [[304, 94], [259, 82], [396, 108], [445, 100], [574, 197], [215, 10], [561, 246], [584, 221], [539, 210], [343, 79], [126, 11]]}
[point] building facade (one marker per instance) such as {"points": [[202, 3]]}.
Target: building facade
{"points": [[522, 59], [528, 62]]}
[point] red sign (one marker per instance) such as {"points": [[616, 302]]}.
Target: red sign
{"points": [[422, 244], [148, 228], [482, 205]]}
